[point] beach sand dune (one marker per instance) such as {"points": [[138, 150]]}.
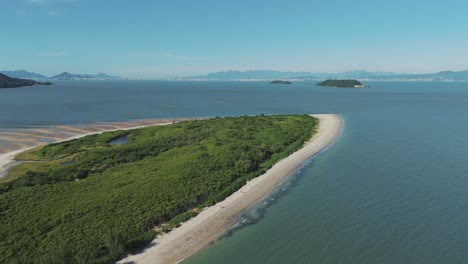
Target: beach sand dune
{"points": [[213, 221]]}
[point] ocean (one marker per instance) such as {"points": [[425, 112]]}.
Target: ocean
{"points": [[393, 189]]}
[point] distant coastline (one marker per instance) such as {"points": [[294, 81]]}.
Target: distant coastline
{"points": [[22, 74], [262, 75], [364, 75], [9, 82]]}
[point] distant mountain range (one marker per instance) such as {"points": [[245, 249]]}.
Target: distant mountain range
{"points": [[269, 75], [62, 76], [360, 74], [266, 75], [439, 76], [9, 82], [249, 75], [70, 76], [23, 74]]}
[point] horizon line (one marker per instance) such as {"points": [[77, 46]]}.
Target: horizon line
{"points": [[175, 76]]}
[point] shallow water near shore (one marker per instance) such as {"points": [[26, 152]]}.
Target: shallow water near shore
{"points": [[393, 189], [255, 213]]}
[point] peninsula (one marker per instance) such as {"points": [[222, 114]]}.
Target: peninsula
{"points": [[341, 83], [9, 82], [213, 221], [181, 168]]}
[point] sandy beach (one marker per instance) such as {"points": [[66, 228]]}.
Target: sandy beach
{"points": [[7, 160], [215, 220], [211, 222]]}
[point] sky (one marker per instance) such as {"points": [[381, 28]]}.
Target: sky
{"points": [[159, 39]]}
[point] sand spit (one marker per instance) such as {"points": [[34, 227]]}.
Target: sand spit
{"points": [[213, 221]]}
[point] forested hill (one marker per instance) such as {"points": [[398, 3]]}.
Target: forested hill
{"points": [[341, 83], [92, 202], [8, 82]]}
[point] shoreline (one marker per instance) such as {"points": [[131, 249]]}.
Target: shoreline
{"points": [[213, 221], [7, 160], [13, 139]]}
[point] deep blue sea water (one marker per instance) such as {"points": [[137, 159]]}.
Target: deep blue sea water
{"points": [[393, 189]]}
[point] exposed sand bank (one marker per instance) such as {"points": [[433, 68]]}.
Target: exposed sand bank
{"points": [[7, 160], [213, 221], [20, 140]]}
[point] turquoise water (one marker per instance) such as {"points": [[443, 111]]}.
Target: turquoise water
{"points": [[393, 189]]}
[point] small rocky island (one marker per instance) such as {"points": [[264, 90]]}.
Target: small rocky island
{"points": [[280, 82], [342, 83], [8, 82]]}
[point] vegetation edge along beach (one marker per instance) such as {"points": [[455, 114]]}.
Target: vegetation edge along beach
{"points": [[212, 222], [109, 190]]}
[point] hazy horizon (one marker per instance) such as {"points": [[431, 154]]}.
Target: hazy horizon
{"points": [[216, 72], [157, 39]]}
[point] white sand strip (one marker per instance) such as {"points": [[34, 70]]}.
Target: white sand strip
{"points": [[196, 233], [7, 159]]}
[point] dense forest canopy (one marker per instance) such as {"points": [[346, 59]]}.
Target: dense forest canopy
{"points": [[91, 202], [340, 83]]}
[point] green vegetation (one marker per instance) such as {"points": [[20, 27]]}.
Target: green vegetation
{"points": [[280, 82], [109, 199], [8, 82], [341, 83]]}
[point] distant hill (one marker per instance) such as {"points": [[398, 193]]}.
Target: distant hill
{"points": [[249, 75], [273, 75], [104, 76], [9, 82], [440, 76], [23, 74], [64, 76], [359, 74], [70, 76]]}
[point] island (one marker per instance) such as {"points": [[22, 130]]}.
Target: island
{"points": [[341, 83], [9, 82], [91, 201], [280, 82]]}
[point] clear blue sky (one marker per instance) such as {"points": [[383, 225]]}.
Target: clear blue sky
{"points": [[153, 39]]}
